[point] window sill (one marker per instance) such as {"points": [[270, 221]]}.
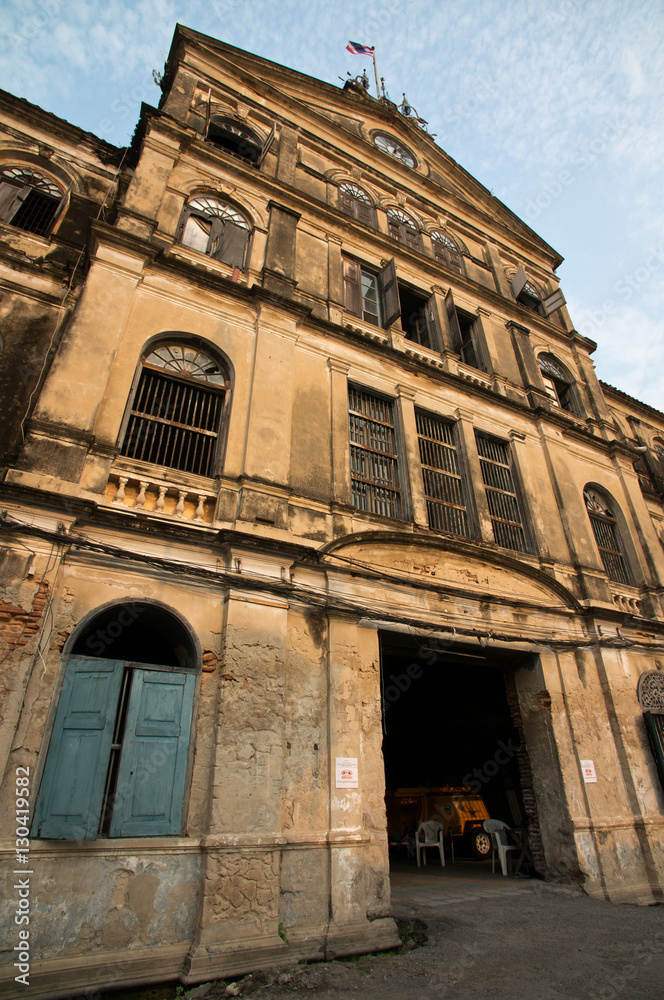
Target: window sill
{"points": [[198, 259]]}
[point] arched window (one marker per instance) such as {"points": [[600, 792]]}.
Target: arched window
{"points": [[558, 384], [29, 200], [176, 409], [118, 755], [659, 449], [403, 228], [355, 202], [607, 536], [531, 298], [234, 138], [216, 228], [446, 251]]}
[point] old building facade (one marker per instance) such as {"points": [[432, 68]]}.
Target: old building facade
{"points": [[305, 467]]}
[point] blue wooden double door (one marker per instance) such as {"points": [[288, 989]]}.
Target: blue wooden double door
{"points": [[117, 760]]}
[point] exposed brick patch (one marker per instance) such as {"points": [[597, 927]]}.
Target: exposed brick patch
{"points": [[18, 626]]}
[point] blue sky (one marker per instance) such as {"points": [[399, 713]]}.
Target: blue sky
{"points": [[556, 106]]}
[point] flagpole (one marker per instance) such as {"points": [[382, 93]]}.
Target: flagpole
{"points": [[373, 56]]}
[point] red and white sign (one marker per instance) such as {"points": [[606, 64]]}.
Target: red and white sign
{"points": [[588, 768], [346, 771]]}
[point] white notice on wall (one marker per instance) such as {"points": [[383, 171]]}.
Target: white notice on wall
{"points": [[588, 768], [346, 772]]}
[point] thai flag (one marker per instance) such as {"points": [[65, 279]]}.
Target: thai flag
{"points": [[360, 50]]}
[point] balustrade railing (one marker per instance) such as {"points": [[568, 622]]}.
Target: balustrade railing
{"points": [[156, 496]]}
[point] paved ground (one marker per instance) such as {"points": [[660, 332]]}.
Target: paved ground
{"points": [[488, 938]]}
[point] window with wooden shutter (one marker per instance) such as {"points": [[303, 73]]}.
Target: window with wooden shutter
{"points": [[607, 537], [374, 465], [443, 484], [501, 494], [355, 202], [214, 227], [176, 409], [465, 334], [558, 383], [29, 200], [446, 251], [403, 228]]}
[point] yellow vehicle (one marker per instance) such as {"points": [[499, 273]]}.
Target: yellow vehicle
{"points": [[461, 811]]}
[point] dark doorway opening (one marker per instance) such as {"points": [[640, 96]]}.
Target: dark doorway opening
{"points": [[451, 740]]}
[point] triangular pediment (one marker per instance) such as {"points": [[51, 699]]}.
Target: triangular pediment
{"points": [[322, 108]]}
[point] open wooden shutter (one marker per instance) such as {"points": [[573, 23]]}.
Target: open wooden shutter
{"points": [[11, 198], [230, 245], [389, 292], [72, 787], [519, 282], [267, 145], [352, 287], [433, 323], [453, 320], [153, 765]]}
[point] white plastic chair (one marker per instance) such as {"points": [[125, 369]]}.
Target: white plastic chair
{"points": [[429, 834], [500, 843]]}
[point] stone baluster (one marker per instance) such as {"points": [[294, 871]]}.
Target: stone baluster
{"points": [[200, 510], [161, 499], [179, 508], [120, 492], [140, 499]]}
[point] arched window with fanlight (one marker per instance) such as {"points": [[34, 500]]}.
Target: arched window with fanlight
{"points": [[235, 138], [29, 199], [403, 228], [216, 228], [446, 251], [602, 514], [176, 408], [355, 202], [558, 383]]}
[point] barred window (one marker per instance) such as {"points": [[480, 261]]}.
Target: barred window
{"points": [[446, 251], [404, 229], [28, 200], [443, 485], [374, 467], [605, 530], [501, 494], [176, 409], [215, 228], [355, 202]]}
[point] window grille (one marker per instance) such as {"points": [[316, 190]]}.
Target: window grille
{"points": [[176, 410], [446, 251], [402, 228], [605, 530], [443, 486], [375, 486], [28, 200], [501, 493]]}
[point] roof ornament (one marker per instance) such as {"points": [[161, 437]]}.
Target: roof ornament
{"points": [[360, 82], [408, 111]]}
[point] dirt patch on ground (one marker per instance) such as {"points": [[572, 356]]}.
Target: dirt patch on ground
{"points": [[548, 943]]}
